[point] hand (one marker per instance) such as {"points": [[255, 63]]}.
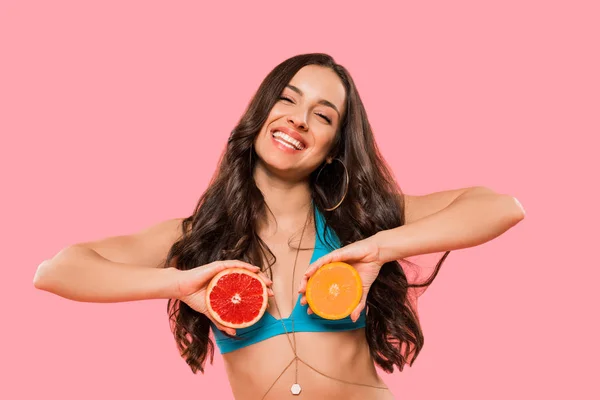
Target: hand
{"points": [[363, 256], [193, 284]]}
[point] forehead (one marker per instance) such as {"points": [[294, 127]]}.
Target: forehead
{"points": [[318, 82]]}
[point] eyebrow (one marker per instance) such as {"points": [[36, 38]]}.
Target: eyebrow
{"points": [[322, 101]]}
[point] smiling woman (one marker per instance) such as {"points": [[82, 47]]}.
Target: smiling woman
{"points": [[314, 98], [303, 147], [301, 180]]}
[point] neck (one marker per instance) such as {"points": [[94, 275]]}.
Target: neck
{"points": [[289, 201]]}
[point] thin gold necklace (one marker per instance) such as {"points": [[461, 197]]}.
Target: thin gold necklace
{"points": [[296, 388]]}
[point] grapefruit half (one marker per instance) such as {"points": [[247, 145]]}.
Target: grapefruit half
{"points": [[334, 290], [236, 298]]}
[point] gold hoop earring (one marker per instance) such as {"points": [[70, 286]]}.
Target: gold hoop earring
{"points": [[347, 181]]}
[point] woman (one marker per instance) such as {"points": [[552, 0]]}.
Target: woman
{"points": [[301, 183]]}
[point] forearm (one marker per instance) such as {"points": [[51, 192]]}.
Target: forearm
{"points": [[468, 221], [81, 274]]}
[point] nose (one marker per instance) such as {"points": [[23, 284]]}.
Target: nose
{"points": [[297, 121]]}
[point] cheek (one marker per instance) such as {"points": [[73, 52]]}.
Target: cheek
{"points": [[323, 143], [276, 112], [274, 115]]}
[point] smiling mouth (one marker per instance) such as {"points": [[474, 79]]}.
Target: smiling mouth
{"points": [[287, 140]]}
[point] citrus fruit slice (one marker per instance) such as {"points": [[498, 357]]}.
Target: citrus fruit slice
{"points": [[334, 290], [236, 298]]}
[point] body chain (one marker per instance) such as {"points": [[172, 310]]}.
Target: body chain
{"points": [[293, 346]]}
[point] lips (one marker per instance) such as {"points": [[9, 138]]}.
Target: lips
{"points": [[290, 132]]}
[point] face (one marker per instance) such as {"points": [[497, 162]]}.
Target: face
{"points": [[299, 132]]}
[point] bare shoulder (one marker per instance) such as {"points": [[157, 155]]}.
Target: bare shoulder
{"points": [[147, 247]]}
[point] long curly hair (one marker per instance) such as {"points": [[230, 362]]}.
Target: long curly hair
{"points": [[223, 224]]}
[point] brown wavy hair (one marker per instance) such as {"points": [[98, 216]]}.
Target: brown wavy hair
{"points": [[223, 225]]}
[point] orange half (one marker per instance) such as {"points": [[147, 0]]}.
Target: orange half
{"points": [[334, 291]]}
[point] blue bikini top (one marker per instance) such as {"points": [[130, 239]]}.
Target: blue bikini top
{"points": [[269, 326]]}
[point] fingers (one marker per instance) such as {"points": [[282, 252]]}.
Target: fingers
{"points": [[212, 269], [317, 264], [223, 328], [223, 264], [304, 301], [265, 278], [354, 315], [336, 255], [268, 282], [312, 268], [363, 303], [303, 284], [346, 253], [356, 312]]}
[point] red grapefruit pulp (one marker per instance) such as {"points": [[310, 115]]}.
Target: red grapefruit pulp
{"points": [[236, 298]]}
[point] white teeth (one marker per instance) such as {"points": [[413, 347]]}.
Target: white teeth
{"points": [[295, 144], [286, 144]]}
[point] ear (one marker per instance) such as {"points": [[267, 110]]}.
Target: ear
{"points": [[331, 156]]}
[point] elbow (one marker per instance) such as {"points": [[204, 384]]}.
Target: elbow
{"points": [[513, 207], [40, 277], [512, 211], [45, 276], [48, 270], [519, 211], [508, 211]]}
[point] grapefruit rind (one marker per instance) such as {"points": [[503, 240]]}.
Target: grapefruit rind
{"points": [[314, 278], [214, 282]]}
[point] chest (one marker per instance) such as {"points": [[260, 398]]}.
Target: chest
{"points": [[286, 278]]}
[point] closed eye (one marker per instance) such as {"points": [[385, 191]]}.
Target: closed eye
{"points": [[320, 115], [324, 117]]}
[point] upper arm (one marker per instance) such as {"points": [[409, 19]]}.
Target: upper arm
{"points": [[417, 207], [148, 247]]}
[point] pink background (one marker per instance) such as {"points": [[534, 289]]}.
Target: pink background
{"points": [[113, 116]]}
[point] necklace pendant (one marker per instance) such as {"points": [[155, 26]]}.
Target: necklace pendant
{"points": [[296, 389]]}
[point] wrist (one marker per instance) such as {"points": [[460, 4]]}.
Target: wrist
{"points": [[388, 244], [173, 283]]}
